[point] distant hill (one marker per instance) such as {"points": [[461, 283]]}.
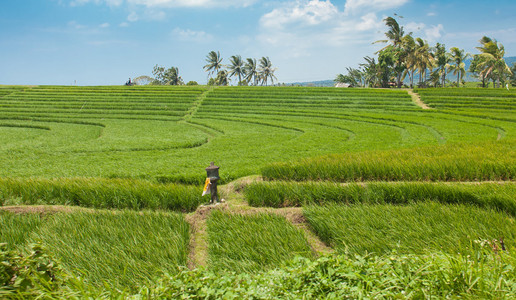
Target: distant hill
{"points": [[330, 83], [320, 83]]}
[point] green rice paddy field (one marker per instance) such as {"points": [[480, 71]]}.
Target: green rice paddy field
{"points": [[330, 193]]}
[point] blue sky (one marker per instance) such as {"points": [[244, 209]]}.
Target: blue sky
{"points": [[104, 42]]}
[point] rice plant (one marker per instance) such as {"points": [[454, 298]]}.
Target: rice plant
{"points": [[123, 249], [497, 196], [413, 228], [140, 132], [100, 193], [15, 229], [244, 243], [454, 162]]}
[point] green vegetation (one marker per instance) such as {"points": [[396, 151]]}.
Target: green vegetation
{"points": [[170, 134], [100, 193], [484, 275], [457, 162], [407, 55], [16, 228], [119, 249], [244, 243], [492, 103], [413, 228], [283, 194], [121, 147], [248, 72]]}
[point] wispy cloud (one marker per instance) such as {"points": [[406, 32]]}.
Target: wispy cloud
{"points": [[309, 14], [353, 6], [505, 36], [193, 3], [75, 25], [191, 35], [108, 2], [434, 32], [133, 17], [431, 33], [302, 25], [170, 3]]}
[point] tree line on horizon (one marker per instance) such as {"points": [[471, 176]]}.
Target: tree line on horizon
{"points": [[406, 55], [250, 72]]}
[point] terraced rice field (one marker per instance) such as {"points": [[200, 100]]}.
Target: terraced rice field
{"points": [[389, 188], [170, 134]]}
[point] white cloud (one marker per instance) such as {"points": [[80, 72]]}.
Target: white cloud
{"points": [[104, 25], [300, 26], [312, 13], [191, 35], [108, 2], [193, 3], [368, 22], [75, 25], [148, 15], [434, 33], [124, 24], [170, 3], [155, 15], [414, 27], [431, 14], [372, 5], [132, 17]]}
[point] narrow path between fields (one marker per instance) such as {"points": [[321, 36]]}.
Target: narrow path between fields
{"points": [[235, 203], [416, 99], [198, 246], [195, 105]]}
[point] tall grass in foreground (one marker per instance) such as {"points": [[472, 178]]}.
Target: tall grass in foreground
{"points": [[414, 228], [123, 249], [252, 242], [100, 193], [16, 228], [451, 162], [484, 275], [500, 196]]}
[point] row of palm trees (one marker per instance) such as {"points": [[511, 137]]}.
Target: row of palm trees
{"points": [[407, 56], [249, 72]]}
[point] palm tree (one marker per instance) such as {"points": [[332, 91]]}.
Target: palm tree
{"points": [[409, 47], [395, 33], [172, 76], [442, 59], [477, 67], [236, 67], [424, 59], [214, 63], [356, 75], [222, 78], [372, 72], [493, 62], [458, 58], [250, 70], [266, 70], [396, 36]]}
